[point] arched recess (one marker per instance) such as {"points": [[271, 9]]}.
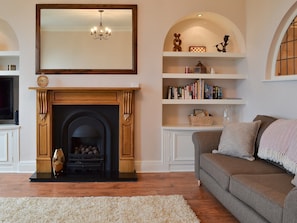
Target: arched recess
{"points": [[275, 45], [205, 29], [8, 38]]}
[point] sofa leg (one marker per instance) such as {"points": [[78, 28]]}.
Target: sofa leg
{"points": [[199, 183]]}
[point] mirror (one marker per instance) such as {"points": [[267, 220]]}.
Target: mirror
{"points": [[64, 44]]}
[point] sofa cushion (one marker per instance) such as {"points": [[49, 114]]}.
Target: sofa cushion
{"points": [[265, 122], [221, 167], [265, 193], [238, 139], [279, 144]]}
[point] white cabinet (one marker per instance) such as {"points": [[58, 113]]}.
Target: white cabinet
{"points": [[9, 62], [178, 148], [9, 148]]}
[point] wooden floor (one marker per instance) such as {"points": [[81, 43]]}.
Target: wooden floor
{"points": [[206, 207]]}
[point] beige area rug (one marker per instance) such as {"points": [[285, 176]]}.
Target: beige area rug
{"points": [[139, 209]]}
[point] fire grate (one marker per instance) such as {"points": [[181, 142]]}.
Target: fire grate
{"points": [[85, 159]]}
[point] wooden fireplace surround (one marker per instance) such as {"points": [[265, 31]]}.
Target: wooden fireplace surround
{"points": [[49, 96]]}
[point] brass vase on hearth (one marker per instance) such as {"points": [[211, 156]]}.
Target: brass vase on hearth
{"points": [[58, 161]]}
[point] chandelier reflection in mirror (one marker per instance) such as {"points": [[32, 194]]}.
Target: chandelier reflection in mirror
{"points": [[100, 32]]}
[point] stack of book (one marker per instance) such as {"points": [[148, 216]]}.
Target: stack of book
{"points": [[212, 92], [196, 90]]}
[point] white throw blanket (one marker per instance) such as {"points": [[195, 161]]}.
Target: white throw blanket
{"points": [[279, 144]]}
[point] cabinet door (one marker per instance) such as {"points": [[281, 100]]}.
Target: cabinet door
{"points": [[183, 148], [4, 146], [178, 150]]}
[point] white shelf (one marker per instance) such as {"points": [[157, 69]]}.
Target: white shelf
{"points": [[192, 127], [9, 53], [8, 58], [9, 73], [203, 76], [236, 101], [206, 54], [9, 127]]}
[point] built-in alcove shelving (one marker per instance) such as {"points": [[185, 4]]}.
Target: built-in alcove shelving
{"points": [[226, 76], [206, 30], [202, 29], [9, 128]]}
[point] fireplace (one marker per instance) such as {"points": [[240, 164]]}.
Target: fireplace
{"points": [[95, 129]]}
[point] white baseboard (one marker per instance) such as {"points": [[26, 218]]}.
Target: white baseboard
{"points": [[21, 167], [27, 166], [150, 166], [160, 166]]}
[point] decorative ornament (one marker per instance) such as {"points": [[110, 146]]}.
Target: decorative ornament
{"points": [[58, 162], [42, 80], [177, 42], [197, 49], [221, 47], [200, 68]]}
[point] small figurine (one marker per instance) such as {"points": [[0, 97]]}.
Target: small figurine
{"points": [[223, 44], [177, 42]]}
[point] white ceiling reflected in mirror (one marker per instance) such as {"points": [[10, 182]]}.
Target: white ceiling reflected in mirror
{"points": [[65, 44]]}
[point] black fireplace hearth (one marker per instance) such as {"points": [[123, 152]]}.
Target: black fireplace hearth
{"points": [[84, 177]]}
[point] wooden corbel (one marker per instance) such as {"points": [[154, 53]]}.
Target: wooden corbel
{"points": [[127, 104], [42, 100]]}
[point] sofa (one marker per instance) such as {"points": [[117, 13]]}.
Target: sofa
{"points": [[252, 186]]}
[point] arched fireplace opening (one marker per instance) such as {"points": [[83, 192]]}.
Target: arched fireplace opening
{"points": [[89, 137]]}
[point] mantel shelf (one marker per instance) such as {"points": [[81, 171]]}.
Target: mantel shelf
{"points": [[86, 88]]}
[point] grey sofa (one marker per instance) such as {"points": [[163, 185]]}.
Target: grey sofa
{"points": [[253, 191]]}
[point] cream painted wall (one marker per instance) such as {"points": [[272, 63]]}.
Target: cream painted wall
{"points": [[272, 98], [155, 17]]}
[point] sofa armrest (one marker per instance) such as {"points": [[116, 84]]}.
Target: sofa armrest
{"points": [[204, 142], [290, 207]]}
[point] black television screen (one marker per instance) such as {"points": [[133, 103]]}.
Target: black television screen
{"points": [[6, 98]]}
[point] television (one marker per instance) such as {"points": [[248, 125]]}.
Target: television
{"points": [[9, 90]]}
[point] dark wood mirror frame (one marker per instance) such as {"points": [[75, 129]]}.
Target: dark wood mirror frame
{"points": [[40, 70]]}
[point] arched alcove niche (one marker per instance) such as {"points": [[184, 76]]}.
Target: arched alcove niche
{"points": [[208, 29], [275, 45], [8, 38]]}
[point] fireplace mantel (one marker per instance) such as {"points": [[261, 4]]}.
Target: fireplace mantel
{"points": [[49, 96]]}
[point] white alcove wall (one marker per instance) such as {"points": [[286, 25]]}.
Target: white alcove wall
{"points": [[8, 39]]}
